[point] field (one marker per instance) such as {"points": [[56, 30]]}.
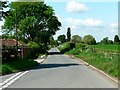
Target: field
{"points": [[109, 47], [104, 57]]}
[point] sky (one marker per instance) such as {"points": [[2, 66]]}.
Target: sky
{"points": [[98, 18]]}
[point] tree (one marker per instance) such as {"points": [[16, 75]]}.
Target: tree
{"points": [[104, 41], [62, 38], [89, 39], [68, 34], [116, 39], [52, 41], [76, 38], [3, 5], [35, 21]]}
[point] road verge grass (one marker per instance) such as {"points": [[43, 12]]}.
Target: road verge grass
{"points": [[16, 66], [105, 60]]}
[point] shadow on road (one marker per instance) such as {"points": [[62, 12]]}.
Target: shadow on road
{"points": [[54, 53], [43, 66]]}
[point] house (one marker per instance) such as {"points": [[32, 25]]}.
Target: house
{"points": [[10, 45]]}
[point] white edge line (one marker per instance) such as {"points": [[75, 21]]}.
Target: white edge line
{"points": [[87, 64], [13, 80]]}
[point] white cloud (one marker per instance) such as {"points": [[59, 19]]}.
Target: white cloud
{"points": [[73, 6], [87, 23], [114, 27]]}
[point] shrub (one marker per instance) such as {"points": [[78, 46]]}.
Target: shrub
{"points": [[66, 47], [36, 49]]}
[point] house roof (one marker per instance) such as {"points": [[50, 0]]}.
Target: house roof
{"points": [[10, 42]]}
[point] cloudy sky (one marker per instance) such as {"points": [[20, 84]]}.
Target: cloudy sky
{"points": [[99, 19], [95, 17]]}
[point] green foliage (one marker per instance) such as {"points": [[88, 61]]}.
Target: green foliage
{"points": [[17, 65], [106, 61], [66, 47], [76, 38], [89, 39], [52, 41], [35, 49], [116, 39], [68, 34], [108, 47], [80, 46], [62, 38], [106, 41], [34, 21]]}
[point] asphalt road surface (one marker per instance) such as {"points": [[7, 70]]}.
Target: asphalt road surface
{"points": [[59, 71]]}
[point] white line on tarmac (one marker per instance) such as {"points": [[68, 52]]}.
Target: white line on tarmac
{"points": [[11, 80]]}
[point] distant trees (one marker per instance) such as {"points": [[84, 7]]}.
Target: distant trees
{"points": [[89, 39], [61, 38], [51, 41], [68, 33], [116, 39], [76, 38], [106, 41]]}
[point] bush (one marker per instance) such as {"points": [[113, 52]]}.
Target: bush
{"points": [[66, 47], [80, 46]]}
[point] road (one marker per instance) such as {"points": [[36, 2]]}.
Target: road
{"points": [[59, 71]]}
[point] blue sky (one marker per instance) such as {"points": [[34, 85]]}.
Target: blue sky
{"points": [[95, 17], [99, 19]]}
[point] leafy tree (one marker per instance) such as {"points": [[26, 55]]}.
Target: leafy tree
{"points": [[76, 38], [62, 38], [68, 34], [110, 42], [116, 39], [34, 21], [104, 41], [52, 41], [89, 39], [3, 5]]}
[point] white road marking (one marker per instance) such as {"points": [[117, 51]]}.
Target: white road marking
{"points": [[4, 82], [12, 79]]}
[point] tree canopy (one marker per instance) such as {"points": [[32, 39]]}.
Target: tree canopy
{"points": [[34, 21], [89, 39], [76, 38], [62, 38]]}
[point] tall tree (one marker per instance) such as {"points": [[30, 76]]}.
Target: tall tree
{"points": [[68, 33], [35, 21], [116, 39]]}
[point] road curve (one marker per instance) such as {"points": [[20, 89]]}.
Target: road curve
{"points": [[59, 71]]}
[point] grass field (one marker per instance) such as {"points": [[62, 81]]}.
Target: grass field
{"points": [[108, 47]]}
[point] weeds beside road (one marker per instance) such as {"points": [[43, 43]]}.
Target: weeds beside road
{"points": [[103, 57]]}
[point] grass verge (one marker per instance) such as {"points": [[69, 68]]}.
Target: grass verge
{"points": [[15, 66], [103, 57]]}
